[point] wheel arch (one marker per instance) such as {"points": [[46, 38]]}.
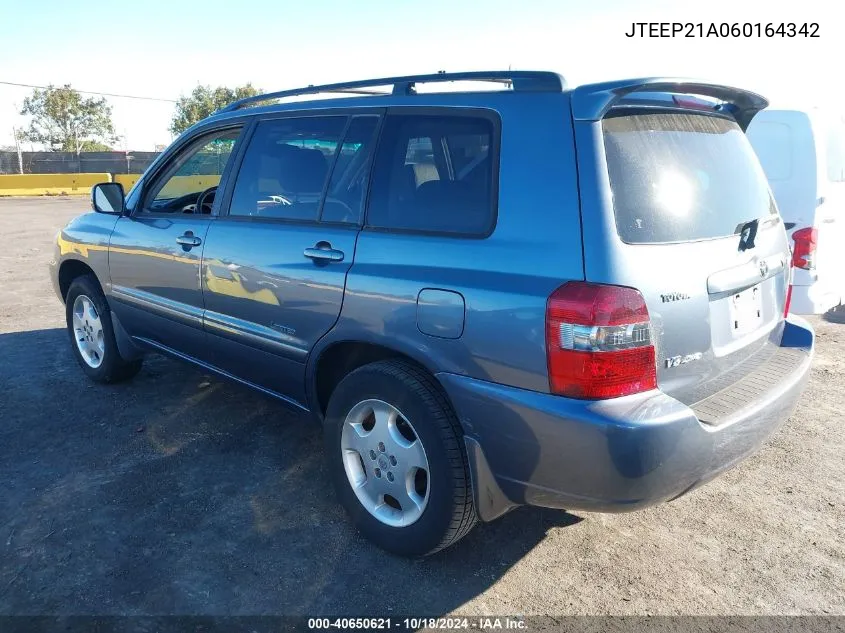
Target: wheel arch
{"points": [[337, 358], [71, 269]]}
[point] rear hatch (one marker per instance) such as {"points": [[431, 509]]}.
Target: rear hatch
{"points": [[690, 222]]}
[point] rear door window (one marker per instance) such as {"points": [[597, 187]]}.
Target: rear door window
{"points": [[434, 174], [285, 168], [678, 177]]}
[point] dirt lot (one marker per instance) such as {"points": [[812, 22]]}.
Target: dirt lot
{"points": [[181, 494]]}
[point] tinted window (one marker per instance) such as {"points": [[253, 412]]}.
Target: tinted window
{"points": [[348, 185], [285, 168], [434, 173], [836, 153], [773, 145], [196, 169], [682, 177]]}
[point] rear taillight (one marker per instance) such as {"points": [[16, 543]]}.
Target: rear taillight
{"points": [[598, 341], [804, 251], [788, 300]]}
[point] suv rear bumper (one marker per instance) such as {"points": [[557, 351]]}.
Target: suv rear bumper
{"points": [[531, 448]]}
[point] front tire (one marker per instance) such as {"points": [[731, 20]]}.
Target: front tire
{"points": [[91, 333], [397, 459]]}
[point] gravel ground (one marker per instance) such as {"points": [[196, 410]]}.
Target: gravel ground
{"points": [[178, 493]]}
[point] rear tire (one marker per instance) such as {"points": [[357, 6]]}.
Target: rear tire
{"points": [[441, 509], [91, 333]]}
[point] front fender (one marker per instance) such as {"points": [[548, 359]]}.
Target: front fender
{"points": [[85, 239]]}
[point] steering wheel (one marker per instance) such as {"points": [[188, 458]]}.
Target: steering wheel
{"points": [[199, 201], [202, 205]]}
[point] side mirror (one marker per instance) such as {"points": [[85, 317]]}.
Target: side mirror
{"points": [[107, 197]]}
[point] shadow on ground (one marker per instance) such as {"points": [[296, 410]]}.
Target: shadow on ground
{"points": [[836, 315], [178, 493]]}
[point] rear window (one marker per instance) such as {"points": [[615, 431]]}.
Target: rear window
{"points": [[682, 177]]}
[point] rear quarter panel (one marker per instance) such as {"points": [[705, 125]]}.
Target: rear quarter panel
{"points": [[504, 279]]}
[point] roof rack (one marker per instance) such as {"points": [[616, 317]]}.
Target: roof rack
{"points": [[518, 80]]}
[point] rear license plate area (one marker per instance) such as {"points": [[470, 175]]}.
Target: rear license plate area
{"points": [[746, 310]]}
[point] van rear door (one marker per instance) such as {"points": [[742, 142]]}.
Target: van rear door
{"points": [[803, 157], [831, 221], [682, 212]]}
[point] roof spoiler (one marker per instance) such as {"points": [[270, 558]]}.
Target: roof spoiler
{"points": [[592, 102]]}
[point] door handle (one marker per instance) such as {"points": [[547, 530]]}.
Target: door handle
{"points": [[323, 251], [188, 240]]}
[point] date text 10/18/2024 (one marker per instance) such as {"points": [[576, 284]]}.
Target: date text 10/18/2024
{"points": [[414, 624], [723, 29]]}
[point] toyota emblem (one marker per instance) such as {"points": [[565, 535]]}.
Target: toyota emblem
{"points": [[764, 268]]}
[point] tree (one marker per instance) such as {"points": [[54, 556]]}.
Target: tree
{"points": [[205, 101], [62, 120]]}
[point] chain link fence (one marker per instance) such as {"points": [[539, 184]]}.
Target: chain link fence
{"points": [[72, 163]]}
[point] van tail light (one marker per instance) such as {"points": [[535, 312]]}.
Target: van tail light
{"points": [[598, 341], [788, 300], [804, 252]]}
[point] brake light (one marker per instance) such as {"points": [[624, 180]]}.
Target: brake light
{"points": [[598, 341], [691, 103], [804, 253], [788, 301]]}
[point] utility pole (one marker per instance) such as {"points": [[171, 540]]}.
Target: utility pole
{"points": [[18, 147], [78, 146], [126, 150]]}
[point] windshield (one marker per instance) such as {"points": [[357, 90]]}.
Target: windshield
{"points": [[679, 177]]}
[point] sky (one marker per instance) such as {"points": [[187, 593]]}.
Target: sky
{"points": [[165, 49]]}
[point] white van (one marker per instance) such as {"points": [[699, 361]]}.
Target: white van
{"points": [[803, 155]]}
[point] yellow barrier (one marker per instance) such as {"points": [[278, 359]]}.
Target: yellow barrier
{"points": [[49, 184], [180, 185], [175, 187], [127, 180], [67, 184]]}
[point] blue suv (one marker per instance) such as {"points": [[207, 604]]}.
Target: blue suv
{"points": [[530, 294]]}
